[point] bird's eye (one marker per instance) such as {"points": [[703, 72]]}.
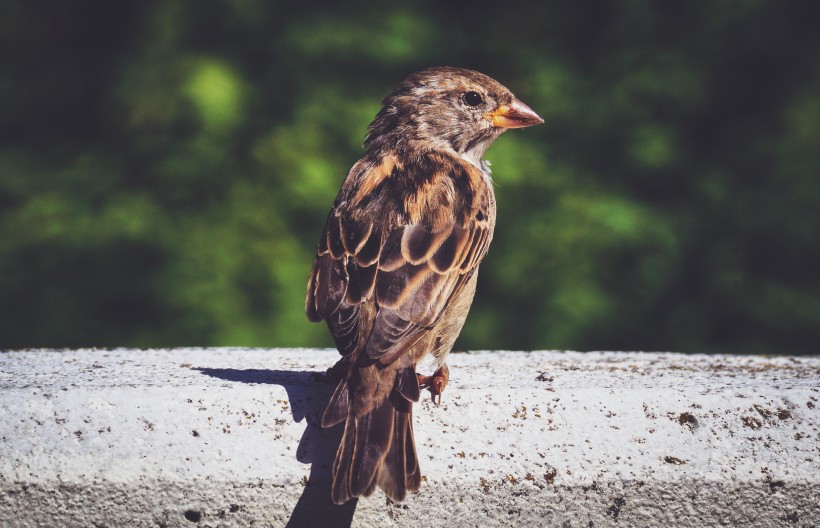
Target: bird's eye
{"points": [[473, 98]]}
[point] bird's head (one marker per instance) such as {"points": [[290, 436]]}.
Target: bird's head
{"points": [[450, 109]]}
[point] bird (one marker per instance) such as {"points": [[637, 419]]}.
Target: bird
{"points": [[395, 268]]}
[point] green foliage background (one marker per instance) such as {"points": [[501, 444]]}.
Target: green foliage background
{"points": [[166, 167]]}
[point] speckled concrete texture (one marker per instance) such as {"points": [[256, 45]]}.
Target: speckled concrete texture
{"points": [[230, 437]]}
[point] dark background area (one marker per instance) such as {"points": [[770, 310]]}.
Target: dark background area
{"points": [[166, 167]]}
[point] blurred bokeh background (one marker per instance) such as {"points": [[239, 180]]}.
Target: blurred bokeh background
{"points": [[166, 167]]}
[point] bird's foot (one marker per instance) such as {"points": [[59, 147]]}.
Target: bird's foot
{"points": [[334, 373], [435, 383]]}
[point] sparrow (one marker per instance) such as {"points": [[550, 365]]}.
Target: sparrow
{"points": [[396, 266]]}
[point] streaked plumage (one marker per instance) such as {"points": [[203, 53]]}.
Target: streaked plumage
{"points": [[396, 266]]}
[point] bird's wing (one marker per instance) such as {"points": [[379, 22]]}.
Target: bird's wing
{"points": [[407, 236]]}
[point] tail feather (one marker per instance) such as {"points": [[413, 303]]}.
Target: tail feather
{"points": [[373, 436], [377, 449], [339, 406], [340, 491], [399, 472]]}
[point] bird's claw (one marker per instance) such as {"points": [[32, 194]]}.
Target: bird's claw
{"points": [[436, 383]]}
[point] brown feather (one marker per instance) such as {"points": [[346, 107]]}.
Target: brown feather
{"points": [[334, 237], [391, 257], [371, 179], [445, 257], [418, 243], [354, 235], [338, 408], [328, 285], [368, 253]]}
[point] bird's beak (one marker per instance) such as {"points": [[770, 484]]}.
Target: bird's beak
{"points": [[514, 115]]}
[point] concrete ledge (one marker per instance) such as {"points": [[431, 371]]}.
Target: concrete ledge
{"points": [[229, 437]]}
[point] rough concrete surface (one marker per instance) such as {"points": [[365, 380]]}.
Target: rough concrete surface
{"points": [[230, 437]]}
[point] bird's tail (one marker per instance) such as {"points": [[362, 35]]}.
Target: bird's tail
{"points": [[377, 447]]}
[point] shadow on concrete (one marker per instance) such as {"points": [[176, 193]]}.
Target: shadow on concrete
{"points": [[317, 447]]}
